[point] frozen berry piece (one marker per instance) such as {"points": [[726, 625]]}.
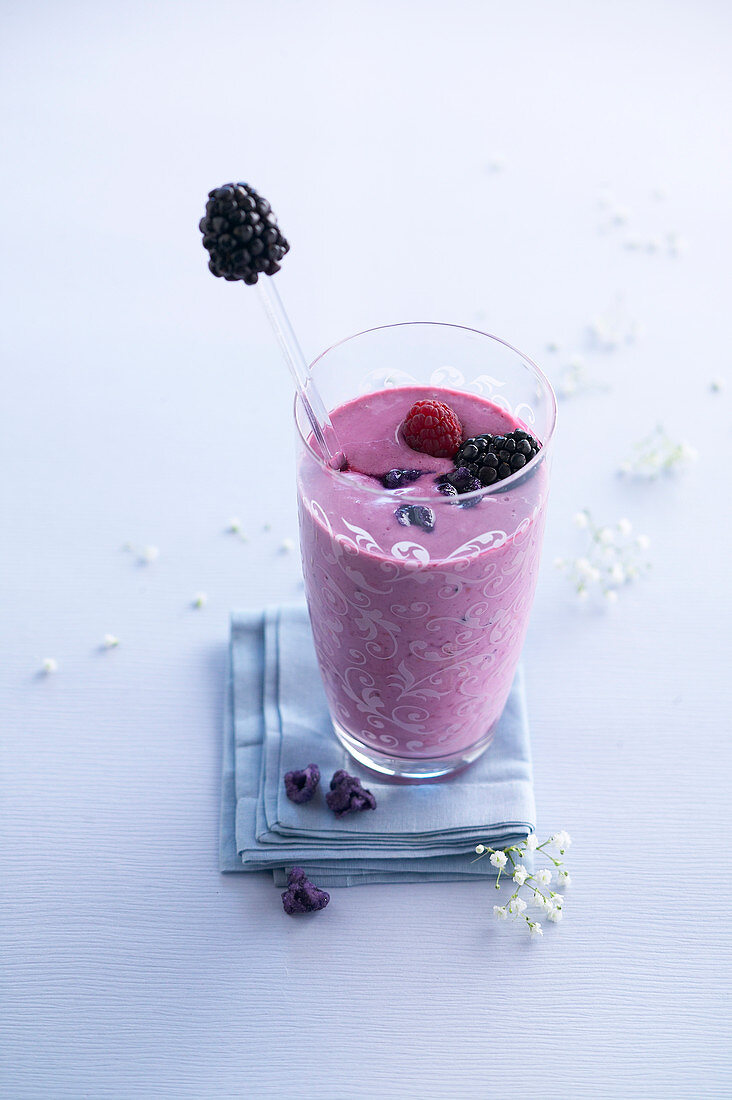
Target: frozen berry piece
{"points": [[240, 234], [416, 515], [301, 896], [394, 479], [347, 796], [457, 483], [301, 786], [432, 428]]}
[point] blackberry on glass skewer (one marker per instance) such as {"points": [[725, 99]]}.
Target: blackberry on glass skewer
{"points": [[243, 240]]}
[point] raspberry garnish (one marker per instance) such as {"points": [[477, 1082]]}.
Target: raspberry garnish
{"points": [[433, 428]]}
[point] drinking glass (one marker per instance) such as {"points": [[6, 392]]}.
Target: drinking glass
{"points": [[418, 650]]}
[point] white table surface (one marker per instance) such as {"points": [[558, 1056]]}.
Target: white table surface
{"points": [[144, 402]]}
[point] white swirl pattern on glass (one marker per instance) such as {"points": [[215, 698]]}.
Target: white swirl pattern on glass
{"points": [[391, 657]]}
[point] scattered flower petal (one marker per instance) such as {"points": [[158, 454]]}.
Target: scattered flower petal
{"points": [[500, 912]]}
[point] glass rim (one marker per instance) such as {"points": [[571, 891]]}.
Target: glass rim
{"points": [[477, 494]]}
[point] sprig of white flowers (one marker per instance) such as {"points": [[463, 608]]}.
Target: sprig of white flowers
{"points": [[576, 380], [658, 454], [613, 558], [509, 864]]}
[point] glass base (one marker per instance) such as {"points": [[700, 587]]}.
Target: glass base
{"points": [[404, 769]]}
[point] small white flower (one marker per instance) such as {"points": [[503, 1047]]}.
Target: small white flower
{"points": [[617, 574], [610, 595], [500, 912], [516, 906], [605, 536], [499, 860], [688, 454], [564, 878], [559, 563], [50, 664], [716, 385], [625, 527], [583, 567], [200, 599], [150, 554], [531, 842], [554, 914], [287, 546], [110, 641], [581, 520], [593, 574], [544, 876], [562, 839], [552, 347], [642, 542], [480, 848], [535, 929], [582, 594], [234, 526], [520, 875], [267, 527], [542, 902]]}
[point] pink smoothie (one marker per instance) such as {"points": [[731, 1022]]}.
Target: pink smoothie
{"points": [[417, 632]]}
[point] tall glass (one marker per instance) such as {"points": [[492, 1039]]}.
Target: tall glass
{"points": [[418, 639]]}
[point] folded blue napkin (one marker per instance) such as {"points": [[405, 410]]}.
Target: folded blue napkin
{"points": [[276, 720]]}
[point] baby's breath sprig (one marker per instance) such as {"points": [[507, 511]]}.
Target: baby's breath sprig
{"points": [[509, 864], [658, 454], [614, 557]]}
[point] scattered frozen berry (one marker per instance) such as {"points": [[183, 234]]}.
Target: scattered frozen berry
{"points": [[432, 428], [395, 479], [300, 786], [347, 796], [301, 896], [416, 515]]}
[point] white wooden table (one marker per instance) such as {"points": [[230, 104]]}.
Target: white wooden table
{"points": [[427, 162]]}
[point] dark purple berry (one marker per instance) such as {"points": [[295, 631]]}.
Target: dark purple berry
{"points": [[394, 479], [347, 796], [235, 216], [416, 515], [301, 896], [498, 457], [300, 786]]}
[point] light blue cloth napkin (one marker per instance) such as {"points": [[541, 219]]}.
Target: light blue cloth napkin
{"points": [[276, 720]]}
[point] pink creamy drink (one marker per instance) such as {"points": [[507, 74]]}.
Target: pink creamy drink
{"points": [[418, 631]]}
